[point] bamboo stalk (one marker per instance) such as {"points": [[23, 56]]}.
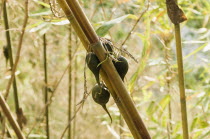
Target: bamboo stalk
{"points": [[16, 100], [181, 82], [46, 87], [177, 16], [11, 119], [121, 96], [75, 95], [70, 78]]}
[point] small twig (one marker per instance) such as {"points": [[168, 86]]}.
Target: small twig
{"points": [[134, 26], [81, 105]]}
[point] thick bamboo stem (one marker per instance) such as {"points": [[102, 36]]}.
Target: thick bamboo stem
{"points": [[122, 97], [181, 82], [11, 119]]}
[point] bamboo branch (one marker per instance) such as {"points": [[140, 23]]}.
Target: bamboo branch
{"points": [[136, 23], [11, 119], [110, 76]]}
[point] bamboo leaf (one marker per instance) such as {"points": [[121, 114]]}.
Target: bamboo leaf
{"points": [[194, 123], [106, 26], [164, 102], [195, 51], [42, 3], [60, 22], [44, 11], [39, 26], [152, 108], [192, 53]]}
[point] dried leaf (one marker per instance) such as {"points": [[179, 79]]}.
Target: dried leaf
{"points": [[175, 14]]}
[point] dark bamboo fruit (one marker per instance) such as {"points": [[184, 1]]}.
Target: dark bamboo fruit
{"points": [[101, 96], [93, 64], [107, 44], [121, 66], [108, 47]]}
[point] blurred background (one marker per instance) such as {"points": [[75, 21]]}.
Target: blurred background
{"points": [[152, 82]]}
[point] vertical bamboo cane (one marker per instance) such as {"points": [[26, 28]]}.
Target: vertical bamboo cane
{"points": [[46, 86], [181, 81], [177, 16], [75, 94], [70, 78], [9, 45]]}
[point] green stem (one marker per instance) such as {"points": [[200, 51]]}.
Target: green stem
{"points": [[46, 87], [181, 82], [16, 100]]}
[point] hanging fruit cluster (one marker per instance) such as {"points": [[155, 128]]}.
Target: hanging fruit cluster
{"points": [[100, 92]]}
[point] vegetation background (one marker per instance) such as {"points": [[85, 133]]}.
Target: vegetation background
{"points": [[152, 82]]}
